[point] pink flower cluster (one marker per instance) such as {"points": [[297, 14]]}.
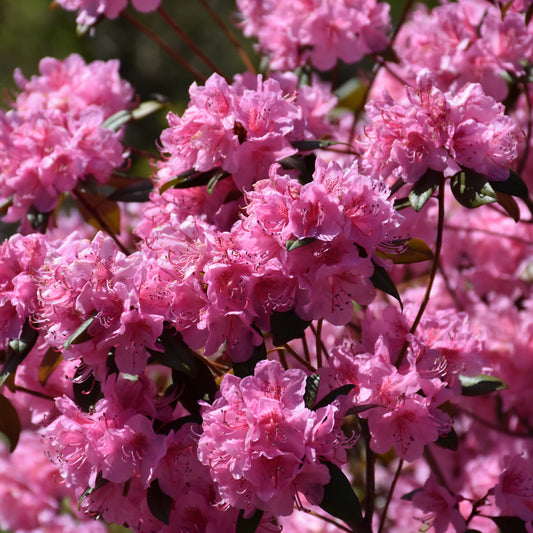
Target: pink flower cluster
{"points": [[242, 128], [466, 41], [263, 445], [53, 137], [439, 131], [317, 31], [90, 11]]}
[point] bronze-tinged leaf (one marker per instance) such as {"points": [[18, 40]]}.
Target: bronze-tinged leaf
{"points": [[509, 204], [50, 362], [100, 212], [415, 251], [9, 423]]}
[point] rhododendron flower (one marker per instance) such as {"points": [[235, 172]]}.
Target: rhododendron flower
{"points": [[439, 131], [261, 443], [91, 10], [318, 32], [514, 492], [440, 507]]}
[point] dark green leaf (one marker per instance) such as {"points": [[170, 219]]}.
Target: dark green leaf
{"points": [[482, 384], [423, 189], [247, 367], [159, 503], [449, 441], [339, 498], [471, 189], [286, 326], [382, 281], [509, 524], [192, 178], [100, 482], [356, 409], [311, 390], [330, 397], [529, 14], [135, 192], [514, 185], [9, 423], [176, 354], [80, 335], [305, 146], [297, 243], [402, 203], [86, 393], [409, 496], [249, 525], [17, 350]]}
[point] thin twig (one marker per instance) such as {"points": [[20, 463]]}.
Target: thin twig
{"points": [[299, 359], [432, 274], [166, 47], [240, 50], [389, 496], [188, 41]]}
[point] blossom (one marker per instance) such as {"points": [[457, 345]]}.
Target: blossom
{"points": [[514, 492], [318, 32], [262, 445], [439, 131], [440, 506], [90, 10]]}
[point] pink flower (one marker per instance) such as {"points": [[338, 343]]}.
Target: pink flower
{"points": [[91, 10], [439, 131], [514, 492], [318, 32], [440, 506], [263, 445]]}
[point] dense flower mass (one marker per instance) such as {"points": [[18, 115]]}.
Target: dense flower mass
{"points": [[299, 316], [319, 32], [263, 445], [53, 138], [439, 131]]}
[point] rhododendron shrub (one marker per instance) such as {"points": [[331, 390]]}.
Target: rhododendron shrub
{"points": [[312, 313]]}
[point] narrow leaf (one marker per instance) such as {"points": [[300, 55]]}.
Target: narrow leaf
{"points": [[482, 384], [382, 281], [147, 108], [409, 495], [415, 251], [509, 204], [17, 350], [176, 353], [116, 121], [339, 498], [356, 409], [249, 525], [298, 243], [330, 397], [134, 192], [423, 189], [9, 423], [159, 503], [214, 180], [51, 360], [514, 185], [80, 335], [192, 178], [307, 145], [311, 390], [96, 208]]}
